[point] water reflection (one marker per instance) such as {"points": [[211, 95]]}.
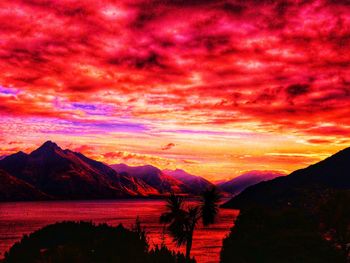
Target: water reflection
{"points": [[21, 218]]}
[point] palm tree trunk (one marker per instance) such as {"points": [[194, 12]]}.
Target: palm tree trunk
{"points": [[189, 247]]}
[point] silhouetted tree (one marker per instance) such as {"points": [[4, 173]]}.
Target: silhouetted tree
{"points": [[85, 242], [161, 254], [210, 206], [141, 232], [181, 221]]}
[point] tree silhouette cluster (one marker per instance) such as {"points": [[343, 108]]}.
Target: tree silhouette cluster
{"points": [[84, 242]]}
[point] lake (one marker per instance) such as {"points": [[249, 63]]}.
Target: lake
{"points": [[20, 218]]}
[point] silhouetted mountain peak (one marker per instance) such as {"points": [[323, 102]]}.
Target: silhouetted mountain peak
{"points": [[65, 174], [47, 147], [19, 154]]}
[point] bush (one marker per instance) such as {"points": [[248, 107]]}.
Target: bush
{"points": [[84, 242]]}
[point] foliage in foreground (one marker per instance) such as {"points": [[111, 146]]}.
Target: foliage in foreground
{"points": [[85, 242]]}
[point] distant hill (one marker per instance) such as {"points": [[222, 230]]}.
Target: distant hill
{"points": [[195, 184], [165, 181], [331, 173], [153, 177], [64, 174], [241, 182]]}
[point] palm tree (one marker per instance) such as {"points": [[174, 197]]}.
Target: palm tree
{"points": [[182, 221]]}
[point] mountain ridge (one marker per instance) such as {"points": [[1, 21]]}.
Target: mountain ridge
{"points": [[196, 184], [243, 181], [164, 181], [328, 174], [49, 172], [65, 174], [14, 189]]}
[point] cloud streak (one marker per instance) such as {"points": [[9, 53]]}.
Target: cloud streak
{"points": [[168, 146]]}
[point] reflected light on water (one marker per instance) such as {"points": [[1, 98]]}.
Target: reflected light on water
{"points": [[20, 218]]}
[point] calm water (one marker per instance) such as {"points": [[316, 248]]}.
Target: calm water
{"points": [[21, 218]]}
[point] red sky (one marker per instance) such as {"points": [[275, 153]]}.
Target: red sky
{"points": [[213, 87]]}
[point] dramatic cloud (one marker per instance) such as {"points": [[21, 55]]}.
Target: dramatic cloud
{"points": [[95, 70], [168, 146]]}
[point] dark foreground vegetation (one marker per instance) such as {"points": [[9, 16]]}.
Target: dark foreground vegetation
{"points": [[302, 217], [84, 242], [314, 229]]}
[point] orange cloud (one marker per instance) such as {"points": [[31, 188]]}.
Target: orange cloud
{"points": [[168, 146]]}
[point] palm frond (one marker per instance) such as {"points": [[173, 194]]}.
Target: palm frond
{"points": [[166, 217], [194, 215], [210, 206], [176, 218], [174, 202]]}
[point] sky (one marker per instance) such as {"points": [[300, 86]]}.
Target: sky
{"points": [[213, 87]]}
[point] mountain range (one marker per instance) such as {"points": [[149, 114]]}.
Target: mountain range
{"points": [[239, 183], [64, 174], [50, 172], [327, 175], [195, 184], [176, 181]]}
